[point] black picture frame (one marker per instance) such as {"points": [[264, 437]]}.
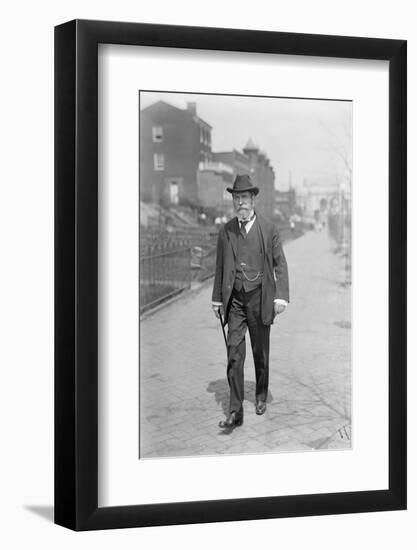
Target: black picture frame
{"points": [[76, 273]]}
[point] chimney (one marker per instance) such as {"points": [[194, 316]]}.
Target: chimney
{"points": [[192, 107]]}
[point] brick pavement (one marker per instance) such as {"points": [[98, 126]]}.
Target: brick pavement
{"points": [[184, 391]]}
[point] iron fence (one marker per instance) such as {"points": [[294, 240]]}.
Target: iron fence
{"points": [[171, 262], [164, 272]]}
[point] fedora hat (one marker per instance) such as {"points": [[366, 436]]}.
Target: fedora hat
{"points": [[243, 183]]}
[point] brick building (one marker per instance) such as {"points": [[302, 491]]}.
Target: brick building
{"points": [[237, 160], [178, 166], [173, 143], [263, 175]]}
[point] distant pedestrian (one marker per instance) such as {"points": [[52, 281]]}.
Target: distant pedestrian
{"points": [[250, 289], [202, 218]]}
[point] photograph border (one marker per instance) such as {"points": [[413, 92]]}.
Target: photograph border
{"points": [[76, 274]]}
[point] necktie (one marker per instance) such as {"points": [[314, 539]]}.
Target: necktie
{"points": [[243, 228]]}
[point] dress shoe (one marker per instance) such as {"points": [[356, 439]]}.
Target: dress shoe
{"points": [[233, 420], [260, 407]]}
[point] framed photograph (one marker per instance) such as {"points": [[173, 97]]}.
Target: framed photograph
{"points": [[230, 275]]}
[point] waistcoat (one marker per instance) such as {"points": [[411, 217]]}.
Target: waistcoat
{"points": [[249, 260]]}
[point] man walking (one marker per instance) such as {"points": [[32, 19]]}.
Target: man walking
{"points": [[250, 289]]}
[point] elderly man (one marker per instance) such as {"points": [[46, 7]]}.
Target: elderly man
{"points": [[250, 289]]}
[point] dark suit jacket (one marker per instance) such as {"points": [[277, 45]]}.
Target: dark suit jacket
{"points": [[275, 277]]}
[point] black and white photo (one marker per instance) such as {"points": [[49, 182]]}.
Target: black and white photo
{"points": [[245, 235]]}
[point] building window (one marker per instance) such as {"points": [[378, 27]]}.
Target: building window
{"points": [[157, 134], [173, 192], [158, 162]]}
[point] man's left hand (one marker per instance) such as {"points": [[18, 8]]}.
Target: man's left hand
{"points": [[278, 308]]}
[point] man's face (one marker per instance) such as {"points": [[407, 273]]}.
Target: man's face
{"points": [[243, 204]]}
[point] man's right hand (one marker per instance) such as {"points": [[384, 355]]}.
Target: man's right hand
{"points": [[217, 311]]}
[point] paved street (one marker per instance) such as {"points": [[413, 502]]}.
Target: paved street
{"points": [[184, 391]]}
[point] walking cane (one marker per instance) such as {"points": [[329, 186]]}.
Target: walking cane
{"points": [[224, 334]]}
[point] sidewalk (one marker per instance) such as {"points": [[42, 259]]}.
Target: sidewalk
{"points": [[184, 391]]}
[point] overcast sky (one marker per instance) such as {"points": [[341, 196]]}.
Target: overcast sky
{"points": [[307, 138]]}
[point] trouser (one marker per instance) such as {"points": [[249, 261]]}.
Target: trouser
{"points": [[245, 312]]}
